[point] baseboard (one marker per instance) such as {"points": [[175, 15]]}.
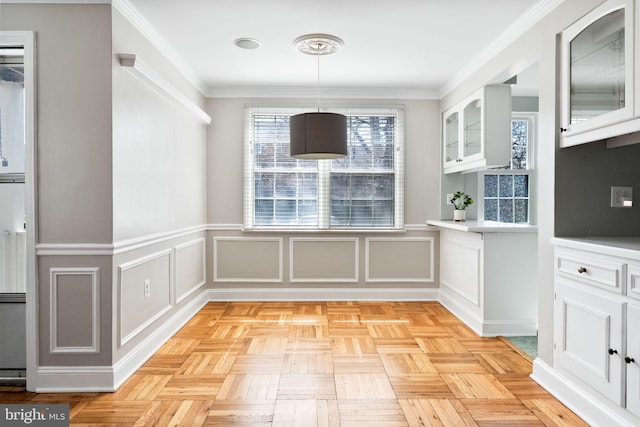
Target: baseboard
{"points": [[56, 379], [485, 328], [591, 407], [74, 379], [509, 328], [470, 319], [323, 294]]}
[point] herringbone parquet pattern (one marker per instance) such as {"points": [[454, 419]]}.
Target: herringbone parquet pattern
{"points": [[323, 364]]}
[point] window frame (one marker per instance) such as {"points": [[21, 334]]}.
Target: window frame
{"points": [[324, 170], [530, 171]]}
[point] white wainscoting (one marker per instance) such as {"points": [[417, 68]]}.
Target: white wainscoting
{"points": [[324, 259], [248, 259], [74, 310], [190, 259], [78, 379], [393, 259], [136, 311]]}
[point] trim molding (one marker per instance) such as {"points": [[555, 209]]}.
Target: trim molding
{"points": [[132, 264], [240, 227], [118, 247], [472, 320], [322, 294], [309, 92], [74, 379], [147, 75], [201, 241], [94, 273], [131, 14], [356, 257], [429, 240], [590, 407], [278, 240], [51, 379], [519, 27]]}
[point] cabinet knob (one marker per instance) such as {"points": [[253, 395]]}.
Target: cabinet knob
{"points": [[582, 270], [612, 351], [629, 359], [563, 130]]}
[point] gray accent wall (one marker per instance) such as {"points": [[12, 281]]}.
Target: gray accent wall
{"points": [[73, 89], [584, 176]]}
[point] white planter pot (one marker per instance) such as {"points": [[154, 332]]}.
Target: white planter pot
{"points": [[459, 215]]}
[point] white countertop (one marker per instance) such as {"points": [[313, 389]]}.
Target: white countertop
{"points": [[619, 246], [483, 226]]}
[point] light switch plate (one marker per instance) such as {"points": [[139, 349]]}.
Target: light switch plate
{"points": [[620, 195]]}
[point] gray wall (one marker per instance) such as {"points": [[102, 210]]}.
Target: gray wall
{"points": [[584, 176], [231, 265], [74, 118], [121, 187], [74, 168]]}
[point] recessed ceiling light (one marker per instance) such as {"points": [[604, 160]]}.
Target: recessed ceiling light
{"points": [[246, 43]]}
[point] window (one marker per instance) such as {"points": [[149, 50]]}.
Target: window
{"points": [[507, 192], [361, 191]]}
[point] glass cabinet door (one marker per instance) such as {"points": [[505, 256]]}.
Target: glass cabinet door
{"points": [[597, 71], [597, 82], [472, 115], [451, 136]]}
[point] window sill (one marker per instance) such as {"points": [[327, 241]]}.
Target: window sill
{"points": [[325, 231]]}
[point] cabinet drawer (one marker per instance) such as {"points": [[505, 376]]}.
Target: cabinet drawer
{"points": [[603, 272]]}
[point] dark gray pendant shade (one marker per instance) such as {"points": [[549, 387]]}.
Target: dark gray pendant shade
{"points": [[318, 136]]}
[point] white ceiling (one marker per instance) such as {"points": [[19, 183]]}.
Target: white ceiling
{"points": [[404, 48]]}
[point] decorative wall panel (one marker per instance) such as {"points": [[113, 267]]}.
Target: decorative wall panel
{"points": [[74, 310], [317, 259], [144, 287], [399, 259], [240, 259], [190, 268]]}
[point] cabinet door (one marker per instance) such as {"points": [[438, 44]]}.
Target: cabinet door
{"points": [[458, 249], [597, 71], [633, 366], [588, 336], [451, 137], [472, 129]]}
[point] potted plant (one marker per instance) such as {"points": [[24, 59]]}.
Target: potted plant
{"points": [[460, 202]]}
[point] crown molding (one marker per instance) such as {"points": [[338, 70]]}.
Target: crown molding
{"points": [[309, 92], [134, 17], [55, 1], [519, 27]]}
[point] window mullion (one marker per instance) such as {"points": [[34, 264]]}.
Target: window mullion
{"points": [[324, 194]]}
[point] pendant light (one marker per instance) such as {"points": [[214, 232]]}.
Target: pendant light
{"points": [[318, 135]]}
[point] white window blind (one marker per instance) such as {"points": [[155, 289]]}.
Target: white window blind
{"points": [[361, 191]]}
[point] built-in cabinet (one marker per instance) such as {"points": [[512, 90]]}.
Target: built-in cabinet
{"points": [[597, 320], [476, 132], [488, 279], [598, 97]]}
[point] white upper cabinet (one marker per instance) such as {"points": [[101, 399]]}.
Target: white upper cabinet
{"points": [[597, 82], [477, 131]]}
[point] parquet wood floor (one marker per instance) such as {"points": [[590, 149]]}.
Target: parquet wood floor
{"points": [[323, 364]]}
